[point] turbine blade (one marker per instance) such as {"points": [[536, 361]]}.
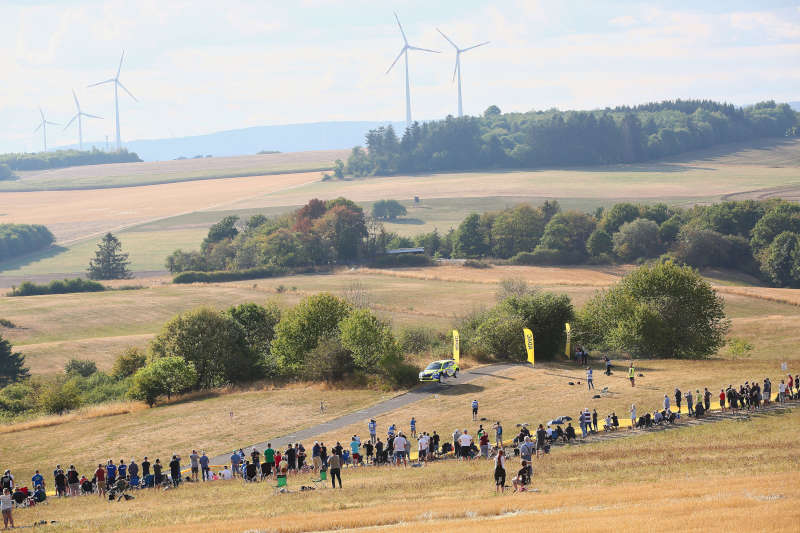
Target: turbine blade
{"points": [[475, 46], [75, 96], [448, 38], [396, 59], [71, 120], [101, 82], [90, 116], [52, 123], [455, 69], [38, 127], [126, 90], [41, 113], [401, 28], [423, 49], [119, 69]]}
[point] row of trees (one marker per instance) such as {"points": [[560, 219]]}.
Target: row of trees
{"points": [[319, 233], [761, 238], [20, 239], [65, 158], [548, 138]]}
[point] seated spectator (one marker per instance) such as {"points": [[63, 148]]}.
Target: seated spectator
{"points": [[250, 472], [39, 495], [570, 432], [699, 410], [560, 434], [523, 477], [608, 425], [614, 420]]}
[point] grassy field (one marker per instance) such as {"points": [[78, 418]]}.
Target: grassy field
{"points": [[158, 172]]}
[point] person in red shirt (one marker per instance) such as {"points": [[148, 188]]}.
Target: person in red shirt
{"points": [[100, 478], [722, 400]]}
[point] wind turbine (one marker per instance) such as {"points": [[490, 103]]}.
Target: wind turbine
{"points": [[404, 51], [43, 126], [78, 116], [117, 85], [457, 71]]}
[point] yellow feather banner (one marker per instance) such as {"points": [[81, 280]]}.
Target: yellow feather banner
{"points": [[529, 343], [569, 340], [456, 346]]}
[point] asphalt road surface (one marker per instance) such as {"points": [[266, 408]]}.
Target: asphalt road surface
{"points": [[380, 408]]}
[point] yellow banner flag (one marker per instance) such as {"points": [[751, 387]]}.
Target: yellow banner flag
{"points": [[529, 344], [456, 346], [568, 350]]}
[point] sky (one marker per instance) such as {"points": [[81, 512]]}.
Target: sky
{"points": [[202, 66]]}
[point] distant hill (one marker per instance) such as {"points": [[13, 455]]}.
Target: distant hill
{"points": [[284, 138]]}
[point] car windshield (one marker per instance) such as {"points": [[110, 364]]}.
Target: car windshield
{"points": [[433, 366]]}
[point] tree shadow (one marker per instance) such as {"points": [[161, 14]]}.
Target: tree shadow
{"points": [[406, 221], [27, 259], [457, 389]]}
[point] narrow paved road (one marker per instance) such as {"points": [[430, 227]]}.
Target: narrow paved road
{"points": [[380, 408]]}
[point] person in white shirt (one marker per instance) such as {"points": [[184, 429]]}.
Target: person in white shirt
{"points": [[424, 443], [400, 448], [465, 441], [6, 506], [782, 392], [226, 474]]}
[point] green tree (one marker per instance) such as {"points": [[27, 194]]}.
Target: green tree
{"points": [[258, 324], [669, 229], [637, 239], [566, 235], [599, 243], [166, 376], [59, 397], [470, 240], [300, 329], [128, 363], [80, 367], [213, 342], [499, 334], [368, 338], [388, 209], [545, 314], [109, 262], [222, 230], [338, 169], [618, 215], [782, 217], [6, 173], [516, 230], [780, 261], [344, 227], [12, 364], [663, 310]]}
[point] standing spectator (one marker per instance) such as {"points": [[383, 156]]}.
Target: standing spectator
{"points": [[400, 447], [316, 456], [689, 403], [632, 375], [6, 507], [235, 461], [269, 458], [423, 445], [7, 481], [474, 410], [484, 442], [608, 365], [111, 472], [541, 439], [678, 398], [589, 381], [372, 429], [781, 392], [255, 456], [633, 416], [526, 449], [61, 483], [335, 465], [145, 467], [721, 400], [175, 470], [500, 471], [707, 399], [435, 442], [73, 480], [466, 443], [456, 443], [122, 470], [158, 468], [204, 469], [194, 461], [133, 469], [594, 419], [666, 402], [37, 480], [498, 435], [767, 391], [413, 425], [100, 480], [355, 450], [583, 423]]}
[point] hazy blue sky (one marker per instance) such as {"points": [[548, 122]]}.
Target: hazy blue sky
{"points": [[202, 66]]}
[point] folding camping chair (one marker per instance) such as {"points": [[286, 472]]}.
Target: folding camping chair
{"points": [[323, 477], [281, 486]]}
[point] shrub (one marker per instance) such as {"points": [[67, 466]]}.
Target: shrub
{"points": [[388, 209], [80, 367], [401, 260], [128, 363], [18, 398], [780, 261], [6, 173], [4, 323], [545, 314], [20, 239], [399, 373], [500, 334], [541, 256], [599, 243], [417, 339], [58, 398], [327, 361], [66, 286], [637, 239], [739, 348], [471, 263], [513, 287], [269, 271], [367, 338], [166, 376]]}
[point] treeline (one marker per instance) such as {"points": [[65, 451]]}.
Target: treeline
{"points": [[761, 238], [28, 288], [318, 234], [20, 239], [66, 158], [550, 138]]}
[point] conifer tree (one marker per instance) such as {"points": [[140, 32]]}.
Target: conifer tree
{"points": [[109, 262]]}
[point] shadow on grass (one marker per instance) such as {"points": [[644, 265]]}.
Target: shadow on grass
{"points": [[406, 221], [27, 259], [458, 389]]}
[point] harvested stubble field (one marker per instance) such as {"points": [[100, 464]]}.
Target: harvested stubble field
{"points": [[157, 172], [730, 474]]}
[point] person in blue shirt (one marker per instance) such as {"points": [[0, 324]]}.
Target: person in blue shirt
{"points": [[235, 460], [37, 480], [372, 429], [413, 427], [498, 435], [122, 470], [111, 473], [355, 446], [474, 409], [391, 430]]}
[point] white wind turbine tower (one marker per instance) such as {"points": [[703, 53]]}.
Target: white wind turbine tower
{"points": [[457, 71], [404, 51], [78, 116], [117, 85], [43, 126]]}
